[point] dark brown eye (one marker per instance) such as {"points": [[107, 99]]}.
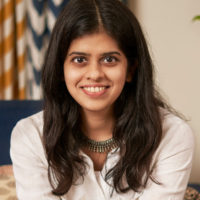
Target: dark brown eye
{"points": [[110, 59], [79, 60]]}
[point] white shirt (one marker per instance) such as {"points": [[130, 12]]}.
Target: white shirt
{"points": [[172, 161]]}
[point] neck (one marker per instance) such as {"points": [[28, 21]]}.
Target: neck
{"points": [[98, 126]]}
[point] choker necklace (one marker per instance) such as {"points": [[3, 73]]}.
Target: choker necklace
{"points": [[98, 146]]}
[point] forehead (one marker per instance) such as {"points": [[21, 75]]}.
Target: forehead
{"points": [[94, 42]]}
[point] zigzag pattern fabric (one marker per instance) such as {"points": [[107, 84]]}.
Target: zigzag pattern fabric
{"points": [[41, 19], [12, 49]]}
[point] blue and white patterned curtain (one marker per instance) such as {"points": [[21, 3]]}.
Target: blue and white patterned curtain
{"points": [[41, 15]]}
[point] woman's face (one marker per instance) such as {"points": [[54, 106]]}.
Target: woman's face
{"points": [[95, 71]]}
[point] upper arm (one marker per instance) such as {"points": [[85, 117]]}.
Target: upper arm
{"points": [[172, 165], [29, 165]]}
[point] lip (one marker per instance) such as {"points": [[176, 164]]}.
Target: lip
{"points": [[95, 94], [95, 85]]}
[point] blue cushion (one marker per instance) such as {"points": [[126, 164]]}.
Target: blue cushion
{"points": [[10, 113], [195, 186]]}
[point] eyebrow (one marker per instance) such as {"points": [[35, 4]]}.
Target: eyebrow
{"points": [[111, 52], [87, 54], [78, 53]]}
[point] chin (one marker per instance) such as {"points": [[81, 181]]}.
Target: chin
{"points": [[95, 108]]}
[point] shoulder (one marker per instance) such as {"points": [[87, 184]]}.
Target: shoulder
{"points": [[177, 135], [33, 123], [26, 136], [176, 129]]}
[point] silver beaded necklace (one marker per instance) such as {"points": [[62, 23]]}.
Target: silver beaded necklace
{"points": [[98, 146]]}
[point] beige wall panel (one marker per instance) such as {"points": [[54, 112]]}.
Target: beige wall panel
{"points": [[174, 41]]}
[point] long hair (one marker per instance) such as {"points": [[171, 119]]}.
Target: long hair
{"points": [[138, 127]]}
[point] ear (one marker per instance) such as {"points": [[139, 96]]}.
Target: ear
{"points": [[131, 71]]}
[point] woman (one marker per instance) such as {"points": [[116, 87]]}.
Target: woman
{"points": [[105, 133]]}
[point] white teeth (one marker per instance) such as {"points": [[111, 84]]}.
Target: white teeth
{"points": [[94, 89]]}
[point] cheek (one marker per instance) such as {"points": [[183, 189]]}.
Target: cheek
{"points": [[71, 76], [119, 76]]}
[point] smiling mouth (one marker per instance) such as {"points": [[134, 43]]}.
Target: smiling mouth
{"points": [[94, 89]]}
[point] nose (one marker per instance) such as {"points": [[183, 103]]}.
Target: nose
{"points": [[94, 71]]}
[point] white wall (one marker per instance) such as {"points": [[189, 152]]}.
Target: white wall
{"points": [[174, 41]]}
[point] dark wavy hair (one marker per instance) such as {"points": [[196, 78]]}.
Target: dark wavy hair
{"points": [[138, 127]]}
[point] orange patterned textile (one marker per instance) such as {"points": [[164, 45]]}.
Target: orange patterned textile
{"points": [[12, 49], [7, 183]]}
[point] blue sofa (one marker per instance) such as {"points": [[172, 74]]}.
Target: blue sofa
{"points": [[10, 113]]}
